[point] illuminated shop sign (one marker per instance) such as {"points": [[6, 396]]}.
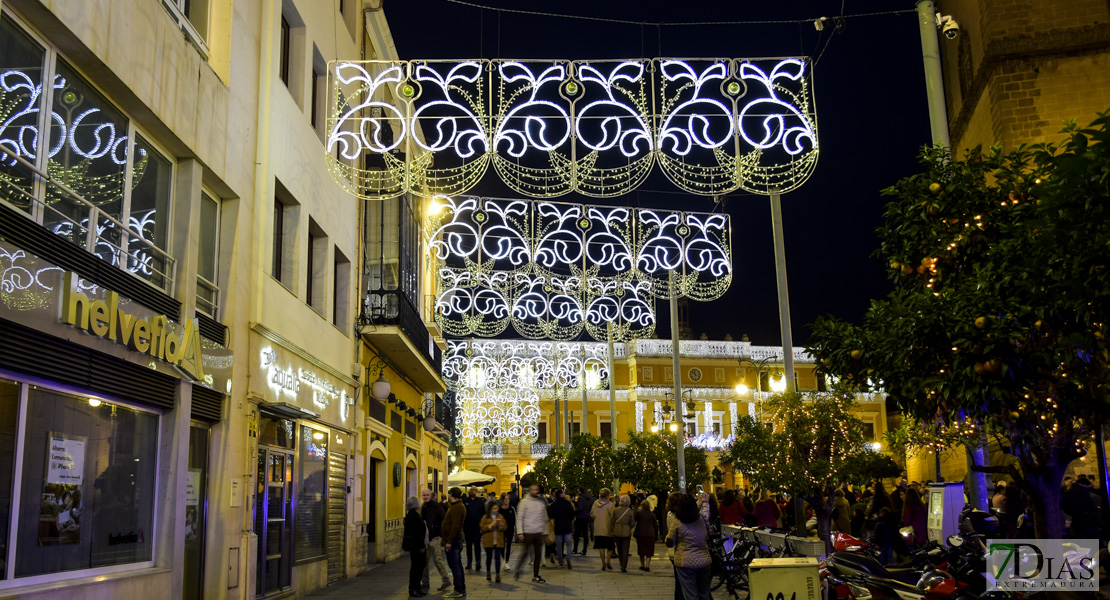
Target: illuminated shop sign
{"points": [[290, 381], [107, 319]]}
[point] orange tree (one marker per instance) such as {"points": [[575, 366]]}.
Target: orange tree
{"points": [[812, 443], [1000, 266]]}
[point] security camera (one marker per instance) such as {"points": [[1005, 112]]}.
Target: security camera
{"points": [[948, 26]]}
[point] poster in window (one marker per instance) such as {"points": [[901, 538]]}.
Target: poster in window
{"points": [[60, 513], [192, 505]]}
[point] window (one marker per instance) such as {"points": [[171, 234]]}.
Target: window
{"points": [[87, 482], [92, 148], [314, 107], [208, 252], [869, 431], [22, 60], [286, 50], [341, 285], [192, 19], [541, 429], [278, 240], [316, 277], [606, 430]]}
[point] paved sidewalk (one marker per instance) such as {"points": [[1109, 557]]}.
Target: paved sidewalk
{"points": [[389, 581]]}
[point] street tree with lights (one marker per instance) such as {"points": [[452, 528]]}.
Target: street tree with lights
{"points": [[649, 461], [811, 443], [997, 322]]}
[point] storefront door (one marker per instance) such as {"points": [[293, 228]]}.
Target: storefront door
{"points": [[273, 522], [196, 509]]}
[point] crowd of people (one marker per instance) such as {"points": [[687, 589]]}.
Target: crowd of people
{"points": [[555, 527]]}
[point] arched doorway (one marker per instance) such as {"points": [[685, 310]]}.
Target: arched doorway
{"points": [[494, 471]]}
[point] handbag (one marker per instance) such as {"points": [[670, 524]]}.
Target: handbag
{"points": [[549, 533]]}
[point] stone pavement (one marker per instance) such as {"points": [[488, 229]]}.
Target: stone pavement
{"points": [[389, 581]]}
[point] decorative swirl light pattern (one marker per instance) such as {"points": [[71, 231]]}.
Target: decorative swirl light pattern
{"points": [[498, 384], [553, 270], [555, 127]]}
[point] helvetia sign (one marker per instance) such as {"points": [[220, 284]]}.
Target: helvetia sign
{"points": [[107, 319]]}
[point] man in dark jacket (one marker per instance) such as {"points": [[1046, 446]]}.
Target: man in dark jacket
{"points": [[563, 513], [475, 510], [433, 513], [452, 533], [1080, 504], [582, 521]]}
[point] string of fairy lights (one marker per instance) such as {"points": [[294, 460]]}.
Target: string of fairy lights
{"points": [[550, 128], [498, 384]]}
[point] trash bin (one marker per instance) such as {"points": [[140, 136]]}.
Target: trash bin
{"points": [[784, 579]]}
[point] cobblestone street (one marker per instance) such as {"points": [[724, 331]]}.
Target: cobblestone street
{"points": [[586, 580]]}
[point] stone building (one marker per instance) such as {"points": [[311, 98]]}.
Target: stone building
{"points": [[185, 384]]}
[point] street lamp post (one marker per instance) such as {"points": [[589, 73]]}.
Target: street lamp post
{"points": [[928, 21], [680, 440]]}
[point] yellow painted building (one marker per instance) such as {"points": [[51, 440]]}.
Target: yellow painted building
{"points": [[643, 378]]}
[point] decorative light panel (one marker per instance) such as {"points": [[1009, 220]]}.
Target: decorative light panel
{"points": [[498, 384], [554, 127], [552, 270]]}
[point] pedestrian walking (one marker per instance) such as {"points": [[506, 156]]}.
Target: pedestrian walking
{"points": [[603, 528], [531, 519], [622, 522], [452, 531], [562, 515], [508, 512], [432, 512], [414, 540], [493, 536], [582, 521], [646, 534], [475, 510], [690, 540]]}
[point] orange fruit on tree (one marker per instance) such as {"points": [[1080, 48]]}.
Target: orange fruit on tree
{"points": [[935, 188]]}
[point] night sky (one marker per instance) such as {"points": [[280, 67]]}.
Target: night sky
{"points": [[872, 120]]}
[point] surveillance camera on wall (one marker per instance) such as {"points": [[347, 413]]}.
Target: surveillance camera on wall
{"points": [[948, 26]]}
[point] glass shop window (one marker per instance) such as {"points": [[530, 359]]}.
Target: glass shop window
{"points": [[9, 413], [309, 535], [151, 190], [88, 485]]}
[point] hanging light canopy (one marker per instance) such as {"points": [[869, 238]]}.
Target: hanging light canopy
{"points": [[550, 128]]}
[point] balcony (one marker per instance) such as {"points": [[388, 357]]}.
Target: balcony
{"points": [[393, 325]]}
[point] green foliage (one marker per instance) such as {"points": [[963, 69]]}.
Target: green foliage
{"points": [[589, 463], [998, 317], [697, 467], [812, 441], [647, 461], [548, 471]]}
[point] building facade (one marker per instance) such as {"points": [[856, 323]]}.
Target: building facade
{"points": [[185, 386], [1015, 74], [1020, 68]]}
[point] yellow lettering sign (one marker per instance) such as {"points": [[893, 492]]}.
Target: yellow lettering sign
{"points": [[105, 318]]}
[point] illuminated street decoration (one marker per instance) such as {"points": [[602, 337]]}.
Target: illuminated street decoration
{"points": [[550, 128], [498, 384], [553, 270]]}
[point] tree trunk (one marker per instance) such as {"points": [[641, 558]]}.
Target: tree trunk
{"points": [[1044, 483], [822, 508]]}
